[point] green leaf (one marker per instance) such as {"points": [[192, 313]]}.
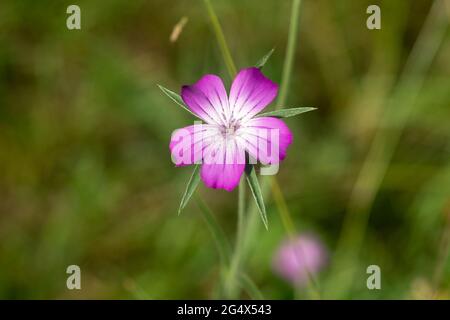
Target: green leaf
{"points": [[286, 113], [176, 98], [261, 62], [223, 246], [190, 188], [256, 192]]}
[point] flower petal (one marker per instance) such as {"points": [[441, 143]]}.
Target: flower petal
{"points": [[208, 99], [265, 139], [188, 144], [222, 176], [299, 256], [250, 92], [225, 169]]}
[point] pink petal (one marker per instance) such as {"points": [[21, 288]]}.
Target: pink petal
{"points": [[299, 256], [225, 170], [265, 139], [251, 92], [208, 99], [187, 144]]}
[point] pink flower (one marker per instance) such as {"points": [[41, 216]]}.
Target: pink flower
{"points": [[300, 258], [231, 128]]}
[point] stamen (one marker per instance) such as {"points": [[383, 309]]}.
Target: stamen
{"points": [[229, 131]]}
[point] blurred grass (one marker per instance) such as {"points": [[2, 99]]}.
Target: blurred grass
{"points": [[86, 176]]}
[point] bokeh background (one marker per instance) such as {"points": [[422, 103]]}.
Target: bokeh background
{"points": [[85, 170]]}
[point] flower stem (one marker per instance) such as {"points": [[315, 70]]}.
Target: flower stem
{"points": [[246, 231], [221, 40], [232, 279], [288, 223], [250, 227], [219, 237], [289, 58], [283, 208], [232, 284], [280, 202]]}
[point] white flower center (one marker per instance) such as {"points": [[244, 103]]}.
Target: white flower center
{"points": [[230, 130]]}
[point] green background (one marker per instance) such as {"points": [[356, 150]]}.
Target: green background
{"points": [[86, 176]]}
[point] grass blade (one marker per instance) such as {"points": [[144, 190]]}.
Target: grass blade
{"points": [[261, 62], [176, 98], [286, 113], [290, 51], [221, 40], [220, 239], [256, 192], [250, 287], [395, 116], [190, 188], [231, 280]]}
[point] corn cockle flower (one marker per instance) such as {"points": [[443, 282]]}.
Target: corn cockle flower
{"points": [[299, 258], [231, 133]]}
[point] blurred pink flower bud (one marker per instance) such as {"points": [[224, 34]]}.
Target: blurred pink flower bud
{"points": [[298, 257]]}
